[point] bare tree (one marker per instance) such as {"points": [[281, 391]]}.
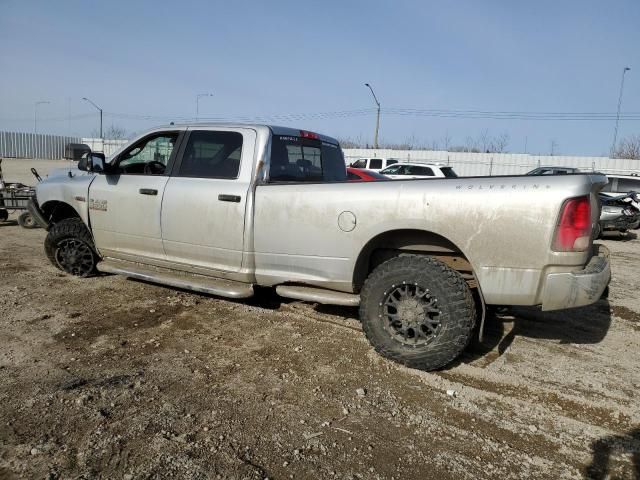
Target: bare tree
{"points": [[115, 132], [628, 148]]}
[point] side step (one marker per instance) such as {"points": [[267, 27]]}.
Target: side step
{"points": [[188, 281], [318, 295]]}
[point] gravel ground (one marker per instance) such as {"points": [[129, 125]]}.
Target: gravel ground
{"points": [[112, 378], [19, 169]]}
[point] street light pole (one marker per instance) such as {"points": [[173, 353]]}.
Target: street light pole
{"points": [[35, 114], [99, 109], [615, 130], [198, 96], [375, 137]]}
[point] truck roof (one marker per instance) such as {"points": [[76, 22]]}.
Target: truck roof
{"points": [[275, 129]]}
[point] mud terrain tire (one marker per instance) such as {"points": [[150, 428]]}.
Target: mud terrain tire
{"points": [[417, 311], [70, 248]]}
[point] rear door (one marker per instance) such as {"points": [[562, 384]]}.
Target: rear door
{"points": [[203, 210], [125, 204]]}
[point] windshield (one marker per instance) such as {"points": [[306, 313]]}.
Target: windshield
{"points": [[394, 169]]}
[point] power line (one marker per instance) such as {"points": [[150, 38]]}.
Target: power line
{"points": [[392, 111]]}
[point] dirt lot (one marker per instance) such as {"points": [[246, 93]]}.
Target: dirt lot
{"points": [[19, 169], [112, 378]]}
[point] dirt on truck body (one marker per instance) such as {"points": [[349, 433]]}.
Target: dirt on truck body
{"points": [[113, 378]]}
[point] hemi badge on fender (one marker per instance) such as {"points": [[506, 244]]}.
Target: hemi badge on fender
{"points": [[80, 198]]}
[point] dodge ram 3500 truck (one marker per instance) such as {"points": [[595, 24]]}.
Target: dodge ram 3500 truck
{"points": [[221, 208]]}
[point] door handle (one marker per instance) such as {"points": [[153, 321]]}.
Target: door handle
{"points": [[148, 191], [223, 197]]}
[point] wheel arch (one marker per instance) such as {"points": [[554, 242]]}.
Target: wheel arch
{"points": [[56, 210], [396, 242]]}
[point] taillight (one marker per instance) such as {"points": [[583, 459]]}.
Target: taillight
{"points": [[311, 135], [573, 232]]}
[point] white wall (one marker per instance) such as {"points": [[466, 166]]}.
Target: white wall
{"points": [[481, 164]]}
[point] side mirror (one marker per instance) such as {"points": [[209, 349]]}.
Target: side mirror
{"points": [[97, 162], [92, 162]]}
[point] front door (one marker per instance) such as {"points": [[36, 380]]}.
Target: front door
{"points": [[203, 210], [125, 203]]}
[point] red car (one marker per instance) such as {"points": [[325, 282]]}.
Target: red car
{"points": [[363, 175]]}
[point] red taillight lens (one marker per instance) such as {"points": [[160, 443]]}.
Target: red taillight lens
{"points": [[311, 135], [573, 232]]}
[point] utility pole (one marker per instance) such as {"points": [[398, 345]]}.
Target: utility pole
{"points": [[198, 97], [35, 114], [615, 130], [375, 137], [99, 109]]}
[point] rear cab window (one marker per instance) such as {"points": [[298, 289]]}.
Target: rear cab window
{"points": [[298, 159]]}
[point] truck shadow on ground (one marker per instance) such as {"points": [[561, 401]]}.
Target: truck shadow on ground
{"points": [[604, 451], [586, 325], [619, 236]]}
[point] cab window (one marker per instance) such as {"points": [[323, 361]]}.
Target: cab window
{"points": [[362, 163], [150, 156], [375, 163], [424, 171], [210, 154]]}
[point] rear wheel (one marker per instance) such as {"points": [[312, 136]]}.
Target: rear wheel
{"points": [[417, 311], [26, 220], [4, 215], [70, 248]]}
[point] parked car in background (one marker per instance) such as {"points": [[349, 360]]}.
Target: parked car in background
{"points": [[620, 184], [362, 175], [375, 164], [553, 171], [418, 170], [618, 213]]}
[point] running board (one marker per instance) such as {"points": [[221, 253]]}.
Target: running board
{"points": [[319, 295], [173, 278]]}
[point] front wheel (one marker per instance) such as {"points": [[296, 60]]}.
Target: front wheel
{"points": [[69, 247], [417, 311]]}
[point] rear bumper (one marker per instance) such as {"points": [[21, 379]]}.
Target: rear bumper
{"points": [[576, 289]]}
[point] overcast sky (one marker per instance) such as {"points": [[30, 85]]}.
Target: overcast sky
{"points": [[151, 58]]}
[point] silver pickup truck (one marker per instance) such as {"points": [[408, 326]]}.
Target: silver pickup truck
{"points": [[221, 208]]}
